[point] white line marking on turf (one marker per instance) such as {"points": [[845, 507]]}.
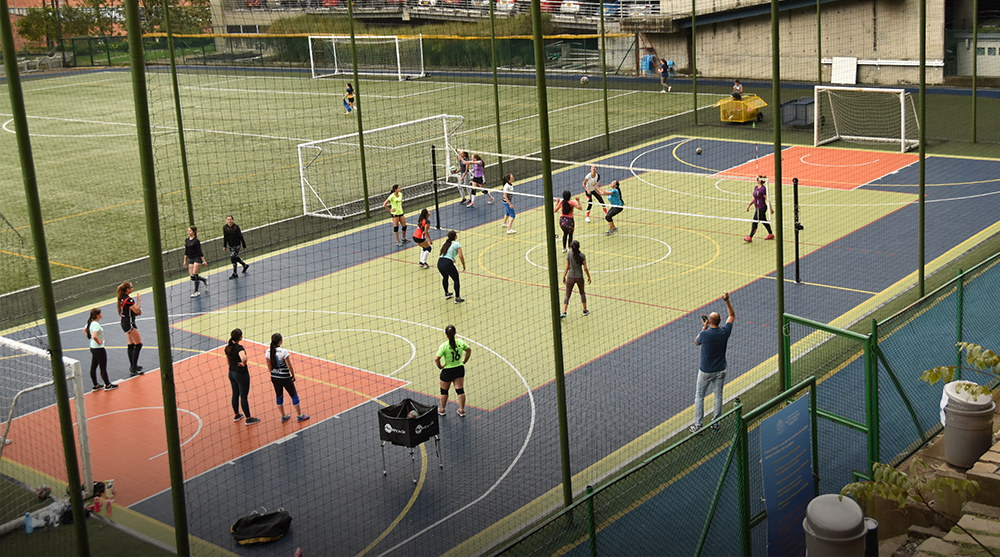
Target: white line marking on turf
{"points": [[527, 254], [802, 159], [413, 348]]}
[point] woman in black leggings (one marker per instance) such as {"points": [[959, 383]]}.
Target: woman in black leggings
{"points": [[446, 265], [239, 377]]}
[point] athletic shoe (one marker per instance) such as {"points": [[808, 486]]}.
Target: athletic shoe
{"points": [[110, 387], [586, 312], [464, 200], [613, 230], [608, 232], [347, 113], [97, 388], [769, 237], [562, 315], [448, 295], [398, 243], [133, 373], [715, 427], [564, 250], [511, 231], [748, 239], [405, 240], [232, 276], [303, 417], [490, 202], [586, 219], [285, 418], [442, 412], [471, 204], [195, 294], [245, 267], [138, 369], [459, 300], [694, 428], [669, 88], [237, 417], [252, 421]]}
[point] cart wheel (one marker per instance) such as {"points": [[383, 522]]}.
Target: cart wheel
{"points": [[760, 116]]}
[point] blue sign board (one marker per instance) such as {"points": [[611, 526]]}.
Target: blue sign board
{"points": [[786, 462]]}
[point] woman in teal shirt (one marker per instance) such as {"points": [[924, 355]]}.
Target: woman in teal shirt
{"points": [[614, 194], [451, 359]]}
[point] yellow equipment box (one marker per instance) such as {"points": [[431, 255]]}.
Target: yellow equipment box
{"points": [[746, 109]]}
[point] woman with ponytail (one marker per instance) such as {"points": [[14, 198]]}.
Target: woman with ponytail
{"points": [[451, 359], [239, 377], [566, 221], [128, 309], [446, 265], [279, 363], [576, 266], [98, 354]]}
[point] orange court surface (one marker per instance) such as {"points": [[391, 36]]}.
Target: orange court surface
{"points": [[127, 431], [841, 169]]}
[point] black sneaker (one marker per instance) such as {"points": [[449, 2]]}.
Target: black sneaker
{"points": [[586, 312], [237, 417], [459, 300], [252, 421], [97, 388], [245, 267], [110, 387], [133, 373], [448, 295], [232, 276]]}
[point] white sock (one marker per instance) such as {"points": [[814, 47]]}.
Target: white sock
{"points": [[423, 256]]}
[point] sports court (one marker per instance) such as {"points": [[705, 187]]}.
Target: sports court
{"points": [[364, 322]]}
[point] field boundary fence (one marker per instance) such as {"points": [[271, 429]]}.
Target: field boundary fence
{"points": [[897, 415]]}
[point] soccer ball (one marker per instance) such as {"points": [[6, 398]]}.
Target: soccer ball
{"points": [[698, 150], [584, 80]]}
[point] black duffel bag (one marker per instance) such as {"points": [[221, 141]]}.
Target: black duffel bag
{"points": [[261, 528]]}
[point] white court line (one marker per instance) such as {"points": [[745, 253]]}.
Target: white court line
{"points": [[527, 254], [802, 159]]}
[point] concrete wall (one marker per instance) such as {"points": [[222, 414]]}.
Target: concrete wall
{"points": [[882, 34]]}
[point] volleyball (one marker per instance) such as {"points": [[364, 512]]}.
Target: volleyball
{"points": [[413, 414], [454, 170], [698, 150], [584, 80]]}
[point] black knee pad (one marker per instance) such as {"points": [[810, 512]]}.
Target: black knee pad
{"points": [[444, 391], [395, 228], [428, 248], [459, 391], [193, 277]]}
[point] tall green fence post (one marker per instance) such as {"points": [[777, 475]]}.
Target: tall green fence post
{"points": [[785, 370], [958, 320], [777, 204], [874, 431], [177, 112], [975, 63], [23, 139], [694, 63], [591, 521], [357, 109], [922, 162], [496, 90], [550, 243], [743, 482], [148, 175], [604, 79]]}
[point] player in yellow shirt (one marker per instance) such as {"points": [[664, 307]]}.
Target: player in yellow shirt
{"points": [[394, 204]]}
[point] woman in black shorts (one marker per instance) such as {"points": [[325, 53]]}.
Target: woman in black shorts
{"points": [[194, 259], [128, 308], [422, 237], [451, 359], [239, 377]]}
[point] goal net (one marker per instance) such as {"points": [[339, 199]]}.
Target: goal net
{"points": [[330, 169], [399, 57], [865, 115], [31, 450]]}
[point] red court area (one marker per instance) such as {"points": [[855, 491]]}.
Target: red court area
{"points": [[126, 426], [823, 167]]}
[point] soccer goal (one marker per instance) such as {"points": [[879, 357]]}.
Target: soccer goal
{"points": [[330, 169], [865, 115], [27, 388], [391, 56]]}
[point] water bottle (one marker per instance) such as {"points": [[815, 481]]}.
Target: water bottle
{"points": [[28, 528]]}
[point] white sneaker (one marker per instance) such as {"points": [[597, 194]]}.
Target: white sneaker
{"points": [[564, 250], [511, 231], [195, 294], [669, 88], [586, 219]]}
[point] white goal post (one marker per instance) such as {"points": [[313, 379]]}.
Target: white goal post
{"points": [[868, 115], [24, 369], [330, 169], [401, 57]]}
